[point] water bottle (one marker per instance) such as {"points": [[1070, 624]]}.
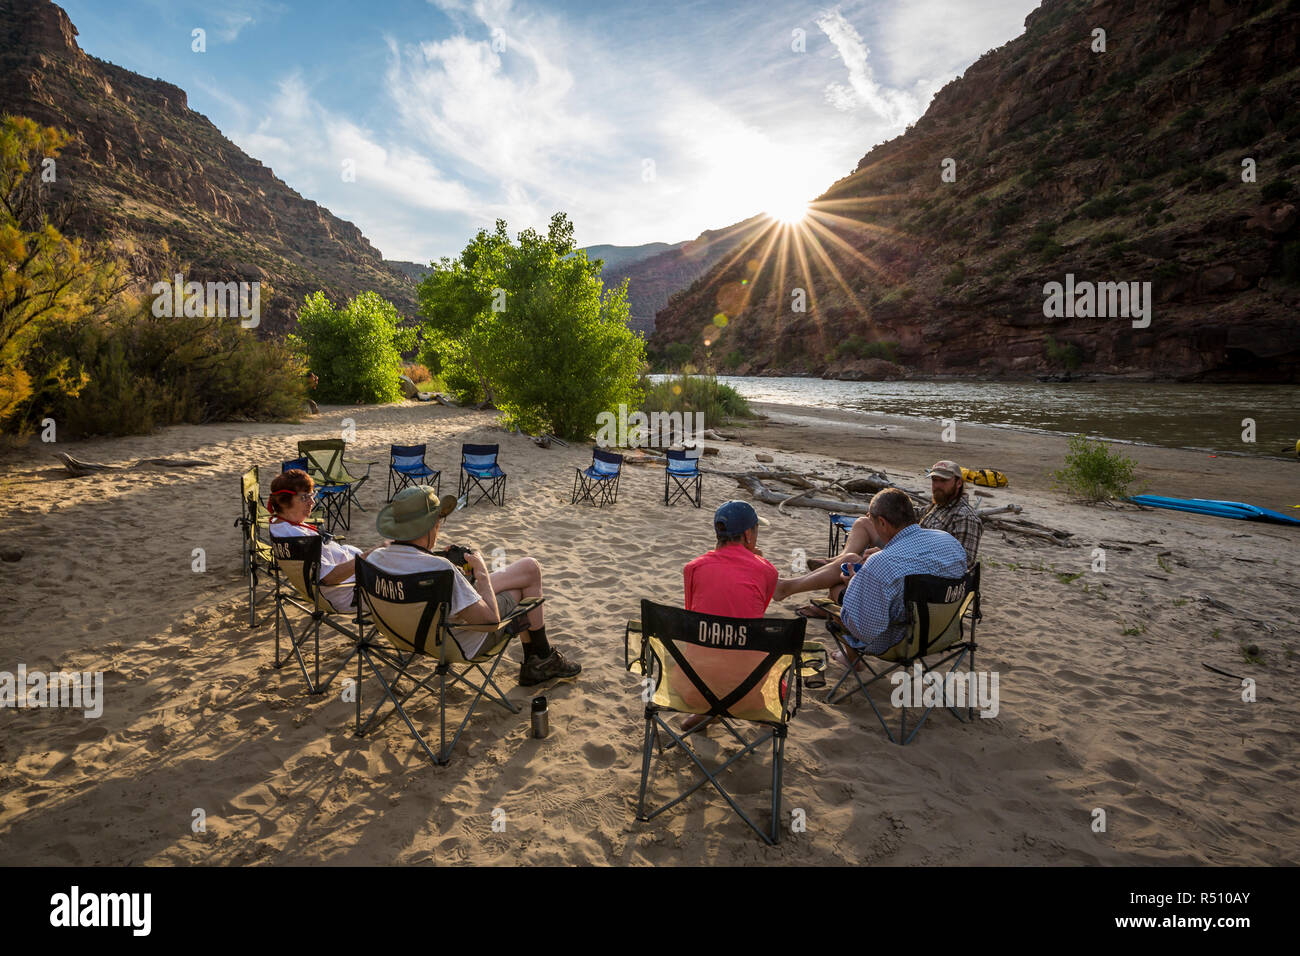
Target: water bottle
{"points": [[541, 718]]}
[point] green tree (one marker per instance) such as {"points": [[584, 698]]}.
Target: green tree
{"points": [[45, 277], [534, 325], [356, 351]]}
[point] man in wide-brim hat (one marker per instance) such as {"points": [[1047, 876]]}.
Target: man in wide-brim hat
{"points": [[412, 521]]}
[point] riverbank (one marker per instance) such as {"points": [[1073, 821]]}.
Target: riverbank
{"points": [[1104, 702], [907, 445]]}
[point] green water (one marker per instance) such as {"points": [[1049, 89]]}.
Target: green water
{"points": [[1207, 417]]}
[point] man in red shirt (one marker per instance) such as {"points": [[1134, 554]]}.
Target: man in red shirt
{"points": [[734, 579]]}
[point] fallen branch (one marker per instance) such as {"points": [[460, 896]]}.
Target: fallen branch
{"points": [[1005, 509], [766, 495], [81, 469]]}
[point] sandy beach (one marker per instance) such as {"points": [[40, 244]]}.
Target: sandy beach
{"points": [[195, 718]]}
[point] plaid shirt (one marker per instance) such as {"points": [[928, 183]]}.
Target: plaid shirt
{"points": [[960, 520], [873, 611]]}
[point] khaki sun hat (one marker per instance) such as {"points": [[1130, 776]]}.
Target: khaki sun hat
{"points": [[412, 512], [946, 469]]}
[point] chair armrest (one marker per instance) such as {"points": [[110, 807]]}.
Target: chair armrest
{"points": [[827, 605], [635, 663], [357, 461], [522, 609]]}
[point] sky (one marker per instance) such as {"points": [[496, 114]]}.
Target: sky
{"points": [[423, 121]]}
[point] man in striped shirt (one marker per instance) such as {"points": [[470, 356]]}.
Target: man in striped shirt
{"points": [[873, 611]]}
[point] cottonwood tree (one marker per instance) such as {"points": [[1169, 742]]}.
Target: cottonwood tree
{"points": [[534, 324]]}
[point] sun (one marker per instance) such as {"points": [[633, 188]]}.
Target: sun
{"points": [[789, 212]]}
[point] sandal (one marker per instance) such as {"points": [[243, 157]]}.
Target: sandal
{"points": [[812, 611]]}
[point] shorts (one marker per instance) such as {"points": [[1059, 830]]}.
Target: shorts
{"points": [[506, 602]]}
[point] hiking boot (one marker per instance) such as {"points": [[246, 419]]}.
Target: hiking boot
{"points": [[534, 670]]}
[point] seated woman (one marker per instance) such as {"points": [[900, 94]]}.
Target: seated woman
{"points": [[290, 502]]}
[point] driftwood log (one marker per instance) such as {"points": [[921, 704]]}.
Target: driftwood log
{"points": [[813, 489], [80, 468]]}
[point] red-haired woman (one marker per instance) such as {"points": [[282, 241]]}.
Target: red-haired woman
{"points": [[293, 494]]}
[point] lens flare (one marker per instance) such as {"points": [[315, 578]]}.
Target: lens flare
{"points": [[789, 212]]}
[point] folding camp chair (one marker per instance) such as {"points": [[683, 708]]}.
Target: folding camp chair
{"points": [[411, 612], [257, 554], [406, 466], [841, 525], [478, 463], [937, 610], [683, 471], [731, 669], [298, 560], [336, 487], [598, 483]]}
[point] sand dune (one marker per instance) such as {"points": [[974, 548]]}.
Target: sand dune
{"points": [[196, 718]]}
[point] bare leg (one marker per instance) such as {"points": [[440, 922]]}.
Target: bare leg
{"points": [[827, 576], [862, 537], [522, 578]]}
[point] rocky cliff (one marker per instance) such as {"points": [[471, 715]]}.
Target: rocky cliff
{"points": [[1162, 152], [161, 182]]}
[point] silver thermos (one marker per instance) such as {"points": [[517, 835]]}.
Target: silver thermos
{"points": [[541, 718]]}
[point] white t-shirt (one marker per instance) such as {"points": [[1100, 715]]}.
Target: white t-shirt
{"points": [[404, 559], [341, 596]]}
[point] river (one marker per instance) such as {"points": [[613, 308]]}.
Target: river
{"points": [[1203, 417]]}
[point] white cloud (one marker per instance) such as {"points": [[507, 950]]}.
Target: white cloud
{"points": [[896, 107]]}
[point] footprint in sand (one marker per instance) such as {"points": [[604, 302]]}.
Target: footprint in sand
{"points": [[599, 756]]}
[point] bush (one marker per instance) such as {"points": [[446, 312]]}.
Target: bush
{"points": [[356, 350], [1067, 355], [956, 275], [1275, 190], [677, 354], [417, 373], [855, 346], [1102, 207], [139, 372], [695, 393], [1006, 214], [1094, 472]]}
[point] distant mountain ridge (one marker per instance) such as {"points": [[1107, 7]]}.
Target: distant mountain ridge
{"points": [[657, 271], [143, 167], [1117, 166]]}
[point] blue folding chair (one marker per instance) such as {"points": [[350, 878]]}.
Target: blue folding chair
{"points": [[841, 525], [682, 476], [598, 483], [478, 464], [406, 466]]}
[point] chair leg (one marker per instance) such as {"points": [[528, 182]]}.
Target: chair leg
{"points": [[778, 766], [443, 756], [645, 765]]}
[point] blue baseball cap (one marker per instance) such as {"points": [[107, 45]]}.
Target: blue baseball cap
{"points": [[733, 517]]}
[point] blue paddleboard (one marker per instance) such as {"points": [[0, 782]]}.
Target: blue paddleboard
{"points": [[1220, 509]]}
